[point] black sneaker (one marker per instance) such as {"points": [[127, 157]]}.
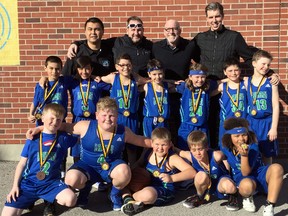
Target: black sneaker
{"points": [[232, 204], [132, 208], [49, 209], [193, 201]]}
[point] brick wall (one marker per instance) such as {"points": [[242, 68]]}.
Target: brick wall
{"points": [[48, 27]]}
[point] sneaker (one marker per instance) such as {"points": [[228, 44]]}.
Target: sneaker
{"points": [[117, 201], [232, 204], [82, 199], [132, 208], [248, 204], [101, 186], [268, 210], [49, 209], [193, 201]]}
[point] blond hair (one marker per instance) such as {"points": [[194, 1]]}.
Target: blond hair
{"points": [[107, 103], [57, 109], [197, 138]]}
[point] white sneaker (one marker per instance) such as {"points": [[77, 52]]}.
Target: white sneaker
{"points": [[248, 204], [268, 210]]}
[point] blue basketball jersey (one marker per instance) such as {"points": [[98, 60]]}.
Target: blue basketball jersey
{"points": [[263, 100], [228, 109], [151, 168], [150, 104], [116, 92], [92, 152], [52, 166]]}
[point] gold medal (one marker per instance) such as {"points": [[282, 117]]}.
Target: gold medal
{"points": [[253, 112], [38, 116], [156, 173], [126, 113], [194, 120], [105, 166], [237, 114], [160, 119], [86, 113], [40, 175], [207, 197]]}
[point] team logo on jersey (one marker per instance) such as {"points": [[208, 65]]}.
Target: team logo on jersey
{"points": [[214, 168], [105, 63]]}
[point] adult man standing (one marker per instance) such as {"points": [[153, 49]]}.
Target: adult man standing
{"points": [[218, 42], [135, 44], [100, 51], [174, 52], [215, 46]]}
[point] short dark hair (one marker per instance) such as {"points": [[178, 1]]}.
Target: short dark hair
{"points": [[94, 20], [134, 18], [83, 61], [231, 61], [54, 59], [125, 56], [214, 6], [153, 64]]}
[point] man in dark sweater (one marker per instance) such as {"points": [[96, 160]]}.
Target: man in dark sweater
{"points": [[215, 46], [174, 52], [135, 44], [219, 43]]}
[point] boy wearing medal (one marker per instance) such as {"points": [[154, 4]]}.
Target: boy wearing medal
{"points": [[103, 142], [212, 177], [233, 100], [37, 174], [263, 106], [85, 93], [162, 162], [125, 91], [194, 108], [156, 102], [248, 171], [55, 90]]}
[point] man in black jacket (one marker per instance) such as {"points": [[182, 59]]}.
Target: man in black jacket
{"points": [[135, 44], [215, 46], [219, 43], [174, 52]]}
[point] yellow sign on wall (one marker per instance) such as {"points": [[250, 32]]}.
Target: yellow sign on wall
{"points": [[9, 37]]}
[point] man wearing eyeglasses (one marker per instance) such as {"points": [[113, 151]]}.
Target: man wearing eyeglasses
{"points": [[135, 44], [99, 50], [175, 53]]}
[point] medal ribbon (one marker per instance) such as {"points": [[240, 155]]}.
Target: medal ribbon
{"points": [[207, 170], [47, 94], [41, 152], [196, 105], [236, 103], [85, 97], [159, 103], [258, 89], [125, 96], [161, 162], [105, 150]]}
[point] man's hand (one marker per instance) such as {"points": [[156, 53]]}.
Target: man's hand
{"points": [[72, 50]]}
